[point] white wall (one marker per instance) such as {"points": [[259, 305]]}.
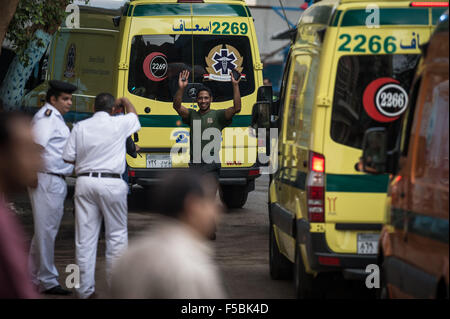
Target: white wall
{"points": [[268, 23]]}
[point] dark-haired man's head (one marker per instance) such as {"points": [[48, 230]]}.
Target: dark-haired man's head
{"points": [[104, 102], [60, 95], [187, 197], [60, 100], [204, 98], [20, 156]]}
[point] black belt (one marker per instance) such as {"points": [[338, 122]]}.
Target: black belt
{"points": [[104, 175], [54, 174]]}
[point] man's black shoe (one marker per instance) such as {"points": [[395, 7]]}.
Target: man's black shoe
{"points": [[58, 290]]}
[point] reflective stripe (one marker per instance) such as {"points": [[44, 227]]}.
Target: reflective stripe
{"points": [[158, 120], [357, 183]]}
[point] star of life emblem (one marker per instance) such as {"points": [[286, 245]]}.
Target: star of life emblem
{"points": [[221, 60]]}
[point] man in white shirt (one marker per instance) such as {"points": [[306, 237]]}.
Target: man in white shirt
{"points": [[97, 148], [47, 199]]}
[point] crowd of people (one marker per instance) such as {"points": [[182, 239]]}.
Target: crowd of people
{"points": [[38, 153]]}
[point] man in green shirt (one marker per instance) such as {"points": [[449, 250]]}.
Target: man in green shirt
{"points": [[204, 153], [205, 156]]}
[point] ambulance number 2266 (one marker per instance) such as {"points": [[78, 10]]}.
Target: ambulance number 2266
{"points": [[361, 44]]}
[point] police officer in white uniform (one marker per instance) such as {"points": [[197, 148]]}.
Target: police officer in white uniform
{"points": [[97, 148], [47, 199]]}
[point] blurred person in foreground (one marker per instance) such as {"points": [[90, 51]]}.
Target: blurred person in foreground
{"points": [[20, 160], [9, 205], [175, 259]]}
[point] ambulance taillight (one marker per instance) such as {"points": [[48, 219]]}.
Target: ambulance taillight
{"points": [[316, 188]]}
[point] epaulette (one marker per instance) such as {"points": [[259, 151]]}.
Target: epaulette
{"points": [[48, 112]]}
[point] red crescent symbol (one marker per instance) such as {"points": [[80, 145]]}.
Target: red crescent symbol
{"points": [[369, 99], [146, 66]]}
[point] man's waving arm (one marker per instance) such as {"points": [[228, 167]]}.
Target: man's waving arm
{"points": [[182, 83], [236, 108]]}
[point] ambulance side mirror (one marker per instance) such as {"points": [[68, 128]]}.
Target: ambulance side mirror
{"points": [[261, 115], [263, 109], [375, 154], [264, 94]]}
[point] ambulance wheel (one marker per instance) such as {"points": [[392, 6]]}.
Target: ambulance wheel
{"points": [[280, 267], [234, 196], [304, 282]]}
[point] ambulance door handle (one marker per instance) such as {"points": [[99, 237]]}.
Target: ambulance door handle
{"points": [[305, 164]]}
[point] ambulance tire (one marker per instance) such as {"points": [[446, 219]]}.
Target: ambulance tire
{"points": [[303, 282], [280, 267], [234, 196]]}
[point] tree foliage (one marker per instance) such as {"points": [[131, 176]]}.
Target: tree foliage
{"points": [[8, 9], [30, 16]]}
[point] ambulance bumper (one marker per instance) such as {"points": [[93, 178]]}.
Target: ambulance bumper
{"points": [[227, 176]]}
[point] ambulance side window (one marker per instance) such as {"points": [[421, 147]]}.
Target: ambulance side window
{"points": [[309, 96], [283, 95], [295, 95], [306, 76], [283, 92]]}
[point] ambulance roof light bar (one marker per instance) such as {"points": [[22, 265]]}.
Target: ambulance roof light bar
{"points": [[428, 4]]}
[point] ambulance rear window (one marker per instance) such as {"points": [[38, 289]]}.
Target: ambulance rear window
{"points": [[157, 60], [370, 91]]}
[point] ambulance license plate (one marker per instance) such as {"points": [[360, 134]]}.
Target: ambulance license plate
{"points": [[368, 244], [159, 161]]}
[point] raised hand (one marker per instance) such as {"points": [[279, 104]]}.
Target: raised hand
{"points": [[183, 79]]}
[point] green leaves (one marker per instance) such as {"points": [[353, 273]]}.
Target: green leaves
{"points": [[32, 15]]}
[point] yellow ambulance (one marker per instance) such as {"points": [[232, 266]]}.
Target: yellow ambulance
{"points": [[137, 49], [350, 68]]}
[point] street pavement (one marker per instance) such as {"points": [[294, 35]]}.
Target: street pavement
{"points": [[241, 247]]}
